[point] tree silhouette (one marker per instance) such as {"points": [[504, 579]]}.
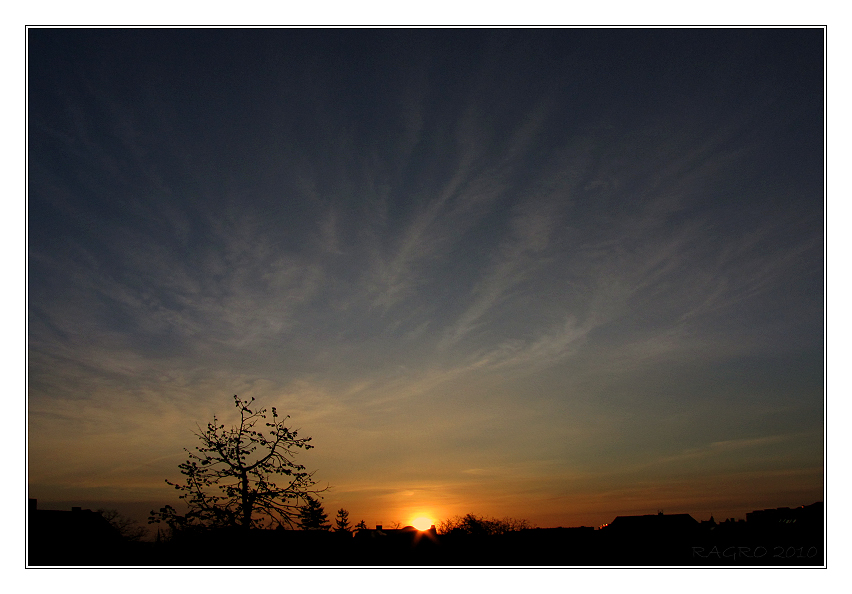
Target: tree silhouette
{"points": [[342, 521], [128, 528], [362, 525], [231, 478], [481, 526], [312, 516]]}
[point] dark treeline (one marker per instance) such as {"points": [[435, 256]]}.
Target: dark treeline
{"points": [[782, 537]]}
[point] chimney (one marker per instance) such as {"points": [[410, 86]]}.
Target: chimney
{"points": [[378, 526]]}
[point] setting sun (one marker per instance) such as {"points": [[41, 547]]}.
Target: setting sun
{"points": [[422, 523]]}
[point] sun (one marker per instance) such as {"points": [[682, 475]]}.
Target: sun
{"points": [[422, 523]]}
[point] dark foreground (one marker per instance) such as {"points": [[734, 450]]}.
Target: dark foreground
{"points": [[735, 545]]}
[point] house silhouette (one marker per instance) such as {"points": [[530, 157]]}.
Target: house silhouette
{"points": [[658, 524], [805, 515], [75, 537]]}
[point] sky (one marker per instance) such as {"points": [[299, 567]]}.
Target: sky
{"points": [[560, 274]]}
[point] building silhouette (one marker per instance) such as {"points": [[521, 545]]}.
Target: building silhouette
{"points": [[653, 524], [75, 537]]}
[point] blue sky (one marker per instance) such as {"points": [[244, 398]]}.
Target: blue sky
{"points": [[553, 274]]}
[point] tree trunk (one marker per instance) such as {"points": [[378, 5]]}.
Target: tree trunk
{"points": [[247, 503]]}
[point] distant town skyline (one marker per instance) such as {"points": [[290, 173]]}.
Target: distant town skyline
{"points": [[553, 274]]}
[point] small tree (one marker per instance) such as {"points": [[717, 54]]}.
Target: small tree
{"points": [[128, 528], [231, 478], [362, 525], [342, 521], [482, 526], [312, 516]]}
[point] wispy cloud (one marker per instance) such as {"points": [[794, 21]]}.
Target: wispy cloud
{"points": [[517, 257]]}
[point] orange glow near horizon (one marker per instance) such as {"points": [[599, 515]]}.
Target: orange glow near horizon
{"points": [[422, 523]]}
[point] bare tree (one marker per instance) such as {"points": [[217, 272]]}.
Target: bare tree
{"points": [[128, 528], [230, 480]]}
